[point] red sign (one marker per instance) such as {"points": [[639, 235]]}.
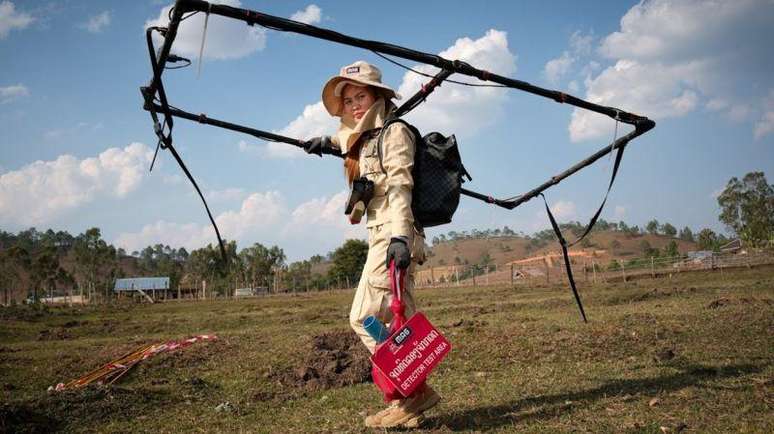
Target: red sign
{"points": [[408, 356]]}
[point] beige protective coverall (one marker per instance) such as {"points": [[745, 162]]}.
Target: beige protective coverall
{"points": [[388, 214]]}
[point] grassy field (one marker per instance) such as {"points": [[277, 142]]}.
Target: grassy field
{"points": [[690, 354]]}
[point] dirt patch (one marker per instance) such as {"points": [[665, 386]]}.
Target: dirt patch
{"points": [[335, 359], [55, 334], [24, 418], [78, 408], [74, 323], [721, 302], [469, 324], [31, 312], [653, 294]]}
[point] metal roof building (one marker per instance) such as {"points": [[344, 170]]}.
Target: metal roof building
{"points": [[141, 283]]}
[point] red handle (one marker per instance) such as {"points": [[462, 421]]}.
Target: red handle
{"points": [[397, 282]]}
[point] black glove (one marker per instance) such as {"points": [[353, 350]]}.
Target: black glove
{"points": [[399, 251], [315, 145]]}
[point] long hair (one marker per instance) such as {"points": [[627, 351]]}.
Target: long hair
{"points": [[352, 159], [352, 162]]}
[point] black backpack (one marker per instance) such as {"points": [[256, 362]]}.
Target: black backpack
{"points": [[438, 176]]}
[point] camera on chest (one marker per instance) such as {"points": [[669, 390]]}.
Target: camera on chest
{"points": [[361, 193]]}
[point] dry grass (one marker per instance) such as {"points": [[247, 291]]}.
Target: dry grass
{"points": [[691, 354]]}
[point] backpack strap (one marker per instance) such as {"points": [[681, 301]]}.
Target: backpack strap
{"points": [[391, 120]]}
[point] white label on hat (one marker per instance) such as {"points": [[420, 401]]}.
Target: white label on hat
{"points": [[352, 70]]}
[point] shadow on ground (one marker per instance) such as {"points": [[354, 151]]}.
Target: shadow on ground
{"points": [[548, 406]]}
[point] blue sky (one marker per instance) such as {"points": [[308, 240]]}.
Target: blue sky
{"points": [[76, 144]]}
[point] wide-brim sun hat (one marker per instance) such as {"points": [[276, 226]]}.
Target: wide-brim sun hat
{"points": [[359, 73]]}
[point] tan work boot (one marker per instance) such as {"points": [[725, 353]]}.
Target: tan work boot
{"points": [[404, 412], [423, 401], [375, 420]]}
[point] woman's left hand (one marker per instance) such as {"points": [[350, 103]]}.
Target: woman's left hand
{"points": [[399, 251]]}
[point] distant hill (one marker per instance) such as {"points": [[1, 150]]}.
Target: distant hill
{"points": [[605, 245], [602, 246]]}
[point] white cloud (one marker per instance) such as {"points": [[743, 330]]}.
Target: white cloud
{"points": [[580, 47], [314, 121], [564, 210], [189, 235], [249, 148], [41, 191], [450, 107], [11, 93], [668, 56], [319, 223], [463, 110], [717, 104], [227, 194], [226, 38], [311, 15], [765, 125], [655, 90], [326, 217], [259, 212], [257, 218], [555, 69], [97, 23], [10, 19]]}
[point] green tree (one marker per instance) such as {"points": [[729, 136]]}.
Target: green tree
{"points": [[671, 249], [14, 261], [613, 265], [747, 208], [622, 226], [348, 261], [668, 230], [652, 227], [708, 240], [686, 234], [261, 263], [95, 261], [647, 249]]}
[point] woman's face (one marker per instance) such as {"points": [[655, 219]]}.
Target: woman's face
{"points": [[357, 100]]}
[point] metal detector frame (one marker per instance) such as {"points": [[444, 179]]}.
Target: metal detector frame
{"points": [[156, 102]]}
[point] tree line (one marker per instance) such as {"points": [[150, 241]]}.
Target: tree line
{"points": [[36, 264], [747, 212]]}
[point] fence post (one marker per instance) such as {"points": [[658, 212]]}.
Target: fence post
{"points": [[623, 269], [548, 279], [585, 271], [511, 275], [432, 277], [594, 271], [457, 275], [487, 275], [652, 269]]}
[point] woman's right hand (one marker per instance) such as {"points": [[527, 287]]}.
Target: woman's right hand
{"points": [[315, 145]]}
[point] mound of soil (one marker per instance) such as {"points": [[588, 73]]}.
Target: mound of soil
{"points": [[335, 359]]}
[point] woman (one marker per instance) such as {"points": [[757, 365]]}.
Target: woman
{"points": [[358, 97]]}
